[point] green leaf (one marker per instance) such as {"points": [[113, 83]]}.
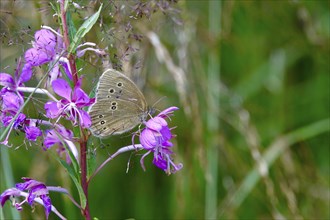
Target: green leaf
{"points": [[73, 171], [91, 156], [56, 8], [76, 181], [71, 26], [92, 94], [76, 131], [84, 29], [66, 5]]}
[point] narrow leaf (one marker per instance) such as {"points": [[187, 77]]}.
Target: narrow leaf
{"points": [[72, 28], [91, 156], [84, 29], [76, 182]]}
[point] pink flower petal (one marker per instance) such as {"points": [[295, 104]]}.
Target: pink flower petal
{"points": [[85, 119], [148, 140], [46, 40], [11, 101], [52, 111], [36, 57], [6, 80], [80, 97], [26, 73], [168, 111], [62, 88], [156, 123]]}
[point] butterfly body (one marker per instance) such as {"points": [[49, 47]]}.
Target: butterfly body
{"points": [[119, 105]]}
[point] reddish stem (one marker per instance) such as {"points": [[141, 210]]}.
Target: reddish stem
{"points": [[83, 167], [72, 61], [83, 144]]}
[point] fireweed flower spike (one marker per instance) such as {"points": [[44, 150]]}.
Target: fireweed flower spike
{"points": [[70, 106], [35, 190], [155, 138]]}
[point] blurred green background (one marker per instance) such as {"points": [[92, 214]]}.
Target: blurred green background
{"points": [[251, 79]]}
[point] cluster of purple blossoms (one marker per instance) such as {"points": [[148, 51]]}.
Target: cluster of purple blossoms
{"points": [[11, 102], [36, 192], [47, 48], [155, 138]]}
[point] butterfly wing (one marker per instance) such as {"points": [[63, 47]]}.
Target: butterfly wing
{"points": [[119, 106]]}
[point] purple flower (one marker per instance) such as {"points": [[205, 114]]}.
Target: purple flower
{"points": [[23, 124], [32, 133], [11, 83], [7, 80], [57, 136], [70, 106], [155, 138], [47, 48], [11, 103], [7, 194], [35, 190]]}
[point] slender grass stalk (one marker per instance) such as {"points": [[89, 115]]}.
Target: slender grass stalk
{"points": [[8, 180], [213, 97]]}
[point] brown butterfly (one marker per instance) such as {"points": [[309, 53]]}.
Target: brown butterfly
{"points": [[119, 105]]}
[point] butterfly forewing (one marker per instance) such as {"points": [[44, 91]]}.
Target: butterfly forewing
{"points": [[118, 86]]}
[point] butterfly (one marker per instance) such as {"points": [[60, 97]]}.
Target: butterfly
{"points": [[119, 106]]}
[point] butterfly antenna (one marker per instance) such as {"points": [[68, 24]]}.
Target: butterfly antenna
{"points": [[158, 101], [152, 110]]}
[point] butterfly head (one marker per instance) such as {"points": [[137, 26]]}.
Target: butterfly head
{"points": [[151, 111]]}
